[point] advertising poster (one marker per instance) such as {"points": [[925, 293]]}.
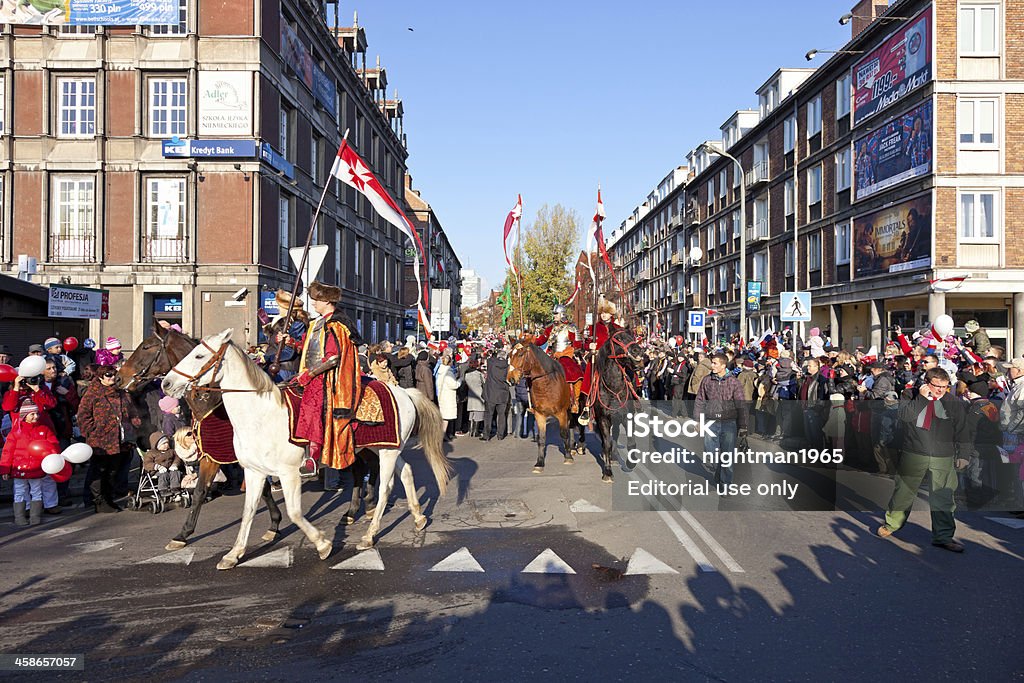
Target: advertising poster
{"points": [[296, 56], [894, 239], [894, 69], [89, 12], [225, 103], [753, 296], [896, 151], [68, 301]]}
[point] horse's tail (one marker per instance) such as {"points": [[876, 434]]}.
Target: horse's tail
{"points": [[431, 437]]}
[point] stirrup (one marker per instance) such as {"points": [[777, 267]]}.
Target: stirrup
{"points": [[584, 417]]}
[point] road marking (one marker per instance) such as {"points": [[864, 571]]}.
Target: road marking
{"points": [[715, 546], [184, 557], [278, 558], [365, 560], [96, 546], [548, 563], [642, 562], [1008, 521], [54, 533], [460, 561], [696, 553], [583, 505]]}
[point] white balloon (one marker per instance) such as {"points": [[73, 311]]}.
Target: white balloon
{"points": [[32, 366], [77, 453], [53, 463], [943, 326]]}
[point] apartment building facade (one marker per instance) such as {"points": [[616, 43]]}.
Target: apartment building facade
{"points": [[175, 165], [887, 182]]}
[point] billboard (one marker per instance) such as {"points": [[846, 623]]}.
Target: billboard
{"points": [[296, 56], [89, 12], [753, 296], [68, 301], [894, 239], [898, 150], [894, 69], [225, 103]]}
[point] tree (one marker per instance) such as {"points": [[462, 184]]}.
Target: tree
{"points": [[549, 244]]}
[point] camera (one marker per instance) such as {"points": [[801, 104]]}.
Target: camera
{"points": [[33, 381]]}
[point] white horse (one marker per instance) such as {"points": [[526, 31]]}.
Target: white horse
{"points": [[260, 420]]}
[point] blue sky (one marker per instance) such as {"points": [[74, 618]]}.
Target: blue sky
{"points": [[551, 98]]}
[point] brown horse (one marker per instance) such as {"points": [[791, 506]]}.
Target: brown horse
{"points": [[549, 395], [153, 359]]}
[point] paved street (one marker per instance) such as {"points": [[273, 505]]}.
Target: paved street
{"points": [[701, 596]]}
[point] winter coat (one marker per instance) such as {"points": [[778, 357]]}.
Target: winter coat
{"points": [[983, 428], [105, 357], [522, 391], [154, 457], [380, 370], [721, 398], [405, 370], [747, 378], [43, 399], [475, 384], [447, 386], [171, 423], [103, 412], [17, 461], [680, 378], [425, 378], [702, 370], [496, 387], [980, 342]]}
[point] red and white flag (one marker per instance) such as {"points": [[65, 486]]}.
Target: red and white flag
{"points": [[946, 284], [511, 235], [574, 292], [353, 171], [594, 234]]}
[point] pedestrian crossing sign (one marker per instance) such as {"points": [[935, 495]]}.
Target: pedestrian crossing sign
{"points": [[795, 307]]}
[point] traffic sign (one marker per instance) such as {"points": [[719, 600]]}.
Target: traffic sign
{"points": [[314, 259], [795, 307], [697, 322]]}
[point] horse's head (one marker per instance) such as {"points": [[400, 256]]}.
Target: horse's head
{"points": [[623, 346], [204, 365], [518, 361], [153, 358]]}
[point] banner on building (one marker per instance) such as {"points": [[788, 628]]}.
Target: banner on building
{"points": [[901, 64], [894, 239], [67, 301], [89, 13], [898, 150], [225, 103], [296, 56], [753, 296], [324, 90]]}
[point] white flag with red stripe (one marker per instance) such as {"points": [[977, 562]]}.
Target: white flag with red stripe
{"points": [[592, 234], [511, 234], [350, 169], [574, 292]]}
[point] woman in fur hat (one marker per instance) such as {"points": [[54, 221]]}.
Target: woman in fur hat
{"points": [[283, 348]]}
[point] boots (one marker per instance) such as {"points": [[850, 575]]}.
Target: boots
{"points": [[35, 512], [20, 518]]}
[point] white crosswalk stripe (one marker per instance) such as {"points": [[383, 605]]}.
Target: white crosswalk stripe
{"points": [[548, 563], [642, 562], [583, 505], [184, 557], [367, 560], [278, 558], [460, 561], [61, 531], [96, 546], [1011, 522]]}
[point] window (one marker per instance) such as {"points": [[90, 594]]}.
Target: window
{"points": [[723, 183], [723, 231], [978, 217], [284, 231], [843, 96], [173, 29], [814, 117], [73, 227], [723, 278], [789, 194], [814, 251], [842, 244], [843, 169], [711, 238], [814, 185], [978, 29], [761, 267], [167, 102], [694, 284], [790, 259], [735, 223], [789, 134], [3, 92], [359, 252], [711, 192], [164, 239], [373, 268], [976, 122], [77, 108], [314, 159]]}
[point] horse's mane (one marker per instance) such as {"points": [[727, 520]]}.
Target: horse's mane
{"points": [[546, 362], [603, 354], [258, 378]]}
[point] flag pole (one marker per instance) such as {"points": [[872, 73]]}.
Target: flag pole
{"points": [[517, 260], [275, 367]]}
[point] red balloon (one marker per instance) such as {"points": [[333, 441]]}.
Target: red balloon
{"points": [[64, 474], [70, 344], [40, 448], [7, 373]]}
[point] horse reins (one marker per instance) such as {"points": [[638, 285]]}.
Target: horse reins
{"points": [[625, 376], [216, 360]]}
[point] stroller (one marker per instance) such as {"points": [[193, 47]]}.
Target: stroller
{"points": [[148, 494]]}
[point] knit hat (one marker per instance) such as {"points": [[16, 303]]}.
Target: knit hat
{"points": [[979, 384], [52, 341], [815, 331], [89, 343], [167, 404], [27, 407], [113, 344]]}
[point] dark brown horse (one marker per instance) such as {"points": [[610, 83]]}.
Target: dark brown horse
{"points": [[616, 365], [549, 395], [154, 358]]}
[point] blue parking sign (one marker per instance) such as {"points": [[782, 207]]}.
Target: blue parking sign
{"points": [[697, 321]]}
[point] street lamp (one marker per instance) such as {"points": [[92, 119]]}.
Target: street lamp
{"points": [[743, 238], [811, 54], [846, 18]]}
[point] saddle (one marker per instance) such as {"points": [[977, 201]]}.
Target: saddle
{"points": [[376, 419]]}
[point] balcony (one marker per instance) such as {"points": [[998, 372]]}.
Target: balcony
{"points": [[680, 297], [643, 275], [692, 216], [758, 174], [675, 221], [158, 249], [67, 248], [677, 258], [758, 231]]}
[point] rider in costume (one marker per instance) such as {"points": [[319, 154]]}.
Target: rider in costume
{"points": [[329, 371], [560, 336], [285, 349], [597, 335]]}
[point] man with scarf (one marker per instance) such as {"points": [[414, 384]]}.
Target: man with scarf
{"points": [[329, 372], [934, 428]]}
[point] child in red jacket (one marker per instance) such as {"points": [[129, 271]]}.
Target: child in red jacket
{"points": [[24, 464]]}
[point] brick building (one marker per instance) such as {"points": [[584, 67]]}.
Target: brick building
{"points": [[175, 165], [897, 166]]}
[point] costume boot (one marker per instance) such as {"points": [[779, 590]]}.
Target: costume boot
{"points": [[584, 416], [20, 518], [35, 512]]}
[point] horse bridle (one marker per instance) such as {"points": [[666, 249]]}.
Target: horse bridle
{"points": [[216, 360], [625, 375], [531, 378], [141, 377]]}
